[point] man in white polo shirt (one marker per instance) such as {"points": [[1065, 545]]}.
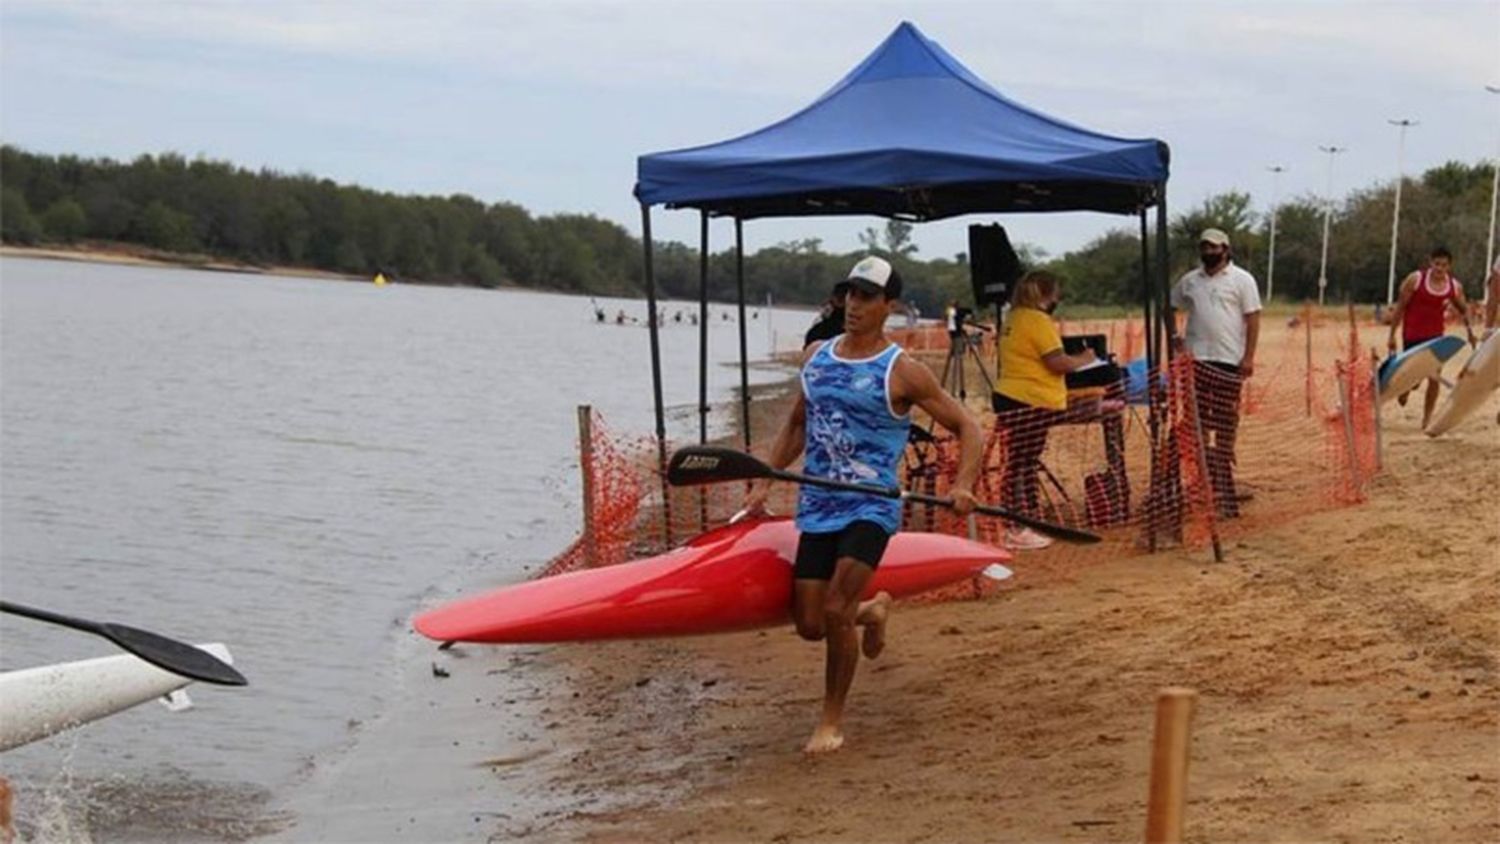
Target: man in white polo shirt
{"points": [[1223, 327]]}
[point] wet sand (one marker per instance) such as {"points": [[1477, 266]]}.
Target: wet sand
{"points": [[1346, 663]]}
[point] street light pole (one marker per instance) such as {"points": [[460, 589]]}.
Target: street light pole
{"points": [[1489, 250], [1276, 171], [1390, 282], [1327, 221]]}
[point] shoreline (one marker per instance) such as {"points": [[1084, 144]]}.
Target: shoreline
{"points": [[489, 731], [128, 256], [142, 257]]}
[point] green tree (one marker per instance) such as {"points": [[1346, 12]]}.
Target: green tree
{"points": [[64, 221], [17, 223], [164, 228], [482, 269]]}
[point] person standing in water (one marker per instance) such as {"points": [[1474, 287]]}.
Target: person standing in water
{"points": [[851, 421]]}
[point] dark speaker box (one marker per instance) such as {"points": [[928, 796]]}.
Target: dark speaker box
{"points": [[994, 267]]}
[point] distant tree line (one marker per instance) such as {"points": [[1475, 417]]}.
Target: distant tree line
{"points": [[214, 209], [1445, 206]]}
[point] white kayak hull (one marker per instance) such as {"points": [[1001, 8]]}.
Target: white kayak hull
{"points": [[38, 702], [1479, 378]]}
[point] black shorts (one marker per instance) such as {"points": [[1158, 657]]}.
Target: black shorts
{"points": [[1408, 342], [818, 553]]}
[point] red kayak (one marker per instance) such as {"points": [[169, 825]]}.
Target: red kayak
{"points": [[736, 577]]}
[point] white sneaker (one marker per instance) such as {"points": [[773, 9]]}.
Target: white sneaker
{"points": [[1025, 539]]}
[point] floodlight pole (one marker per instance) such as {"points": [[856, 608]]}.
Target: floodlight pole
{"points": [[1276, 171], [1390, 282], [1489, 249], [1327, 221]]}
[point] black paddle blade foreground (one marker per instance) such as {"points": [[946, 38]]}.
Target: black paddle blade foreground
{"points": [[174, 656], [708, 464]]}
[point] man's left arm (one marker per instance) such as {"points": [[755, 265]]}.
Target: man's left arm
{"points": [[920, 387], [1250, 306], [1462, 303], [1252, 338]]}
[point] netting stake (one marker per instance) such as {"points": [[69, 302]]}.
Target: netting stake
{"points": [[1172, 739], [1307, 321], [1344, 377], [1208, 480], [586, 467], [1375, 411]]}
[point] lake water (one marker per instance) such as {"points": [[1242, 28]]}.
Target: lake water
{"points": [[291, 467]]}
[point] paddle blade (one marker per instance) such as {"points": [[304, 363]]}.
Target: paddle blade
{"points": [[174, 656], [707, 464]]}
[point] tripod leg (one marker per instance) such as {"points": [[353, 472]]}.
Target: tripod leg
{"points": [[958, 361], [947, 368], [983, 373]]}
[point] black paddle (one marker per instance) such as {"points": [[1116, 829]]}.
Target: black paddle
{"points": [[707, 464], [167, 654]]}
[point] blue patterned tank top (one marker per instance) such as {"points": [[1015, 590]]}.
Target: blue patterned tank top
{"points": [[854, 435]]}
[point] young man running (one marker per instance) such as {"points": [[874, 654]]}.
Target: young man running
{"points": [[1426, 295], [852, 421]]}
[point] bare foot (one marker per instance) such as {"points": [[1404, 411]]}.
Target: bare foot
{"points": [[825, 739], [873, 620]]}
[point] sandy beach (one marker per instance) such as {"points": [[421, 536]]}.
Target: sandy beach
{"points": [[1345, 661], [139, 256]]}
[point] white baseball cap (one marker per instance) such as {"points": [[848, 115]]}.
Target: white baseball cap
{"points": [[876, 275], [1214, 236]]}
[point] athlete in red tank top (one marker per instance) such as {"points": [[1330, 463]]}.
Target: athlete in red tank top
{"points": [[1428, 305], [1425, 298]]}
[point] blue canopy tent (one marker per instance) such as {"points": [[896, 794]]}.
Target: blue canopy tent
{"points": [[911, 134]]}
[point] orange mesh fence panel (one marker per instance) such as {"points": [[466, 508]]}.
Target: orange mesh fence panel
{"points": [[1218, 457], [613, 478]]}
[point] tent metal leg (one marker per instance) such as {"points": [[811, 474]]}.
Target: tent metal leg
{"points": [[703, 327], [702, 355], [661, 416], [739, 280], [1154, 497]]}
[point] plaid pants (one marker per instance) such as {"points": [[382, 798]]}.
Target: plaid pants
{"points": [[1217, 389]]}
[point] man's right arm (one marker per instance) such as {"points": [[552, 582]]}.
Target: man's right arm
{"points": [[1408, 287], [788, 444], [1174, 304], [784, 451]]}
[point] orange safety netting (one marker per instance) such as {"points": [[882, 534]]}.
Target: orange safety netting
{"points": [[1229, 456]]}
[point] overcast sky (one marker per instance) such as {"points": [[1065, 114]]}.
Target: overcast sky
{"points": [[547, 104]]}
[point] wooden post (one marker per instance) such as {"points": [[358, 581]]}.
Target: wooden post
{"points": [[1353, 335], [1346, 378], [1375, 410], [1307, 321], [1169, 765], [1203, 468], [586, 467]]}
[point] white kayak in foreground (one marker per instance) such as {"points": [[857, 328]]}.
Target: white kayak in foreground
{"points": [[37, 702]]}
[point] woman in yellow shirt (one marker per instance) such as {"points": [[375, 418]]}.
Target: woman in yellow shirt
{"points": [[1031, 392]]}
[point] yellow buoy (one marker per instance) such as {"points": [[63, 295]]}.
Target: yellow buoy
{"points": [[379, 279]]}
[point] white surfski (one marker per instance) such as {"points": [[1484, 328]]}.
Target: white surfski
{"points": [[1415, 365], [38, 702], [1479, 378]]}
